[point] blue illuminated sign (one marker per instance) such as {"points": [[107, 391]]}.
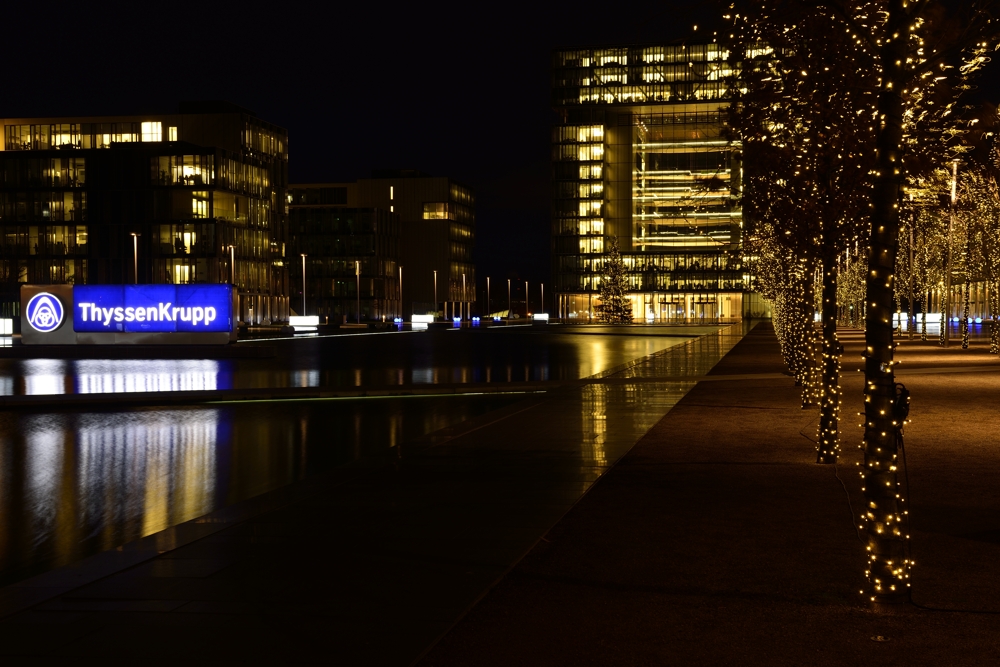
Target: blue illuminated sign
{"points": [[152, 308]]}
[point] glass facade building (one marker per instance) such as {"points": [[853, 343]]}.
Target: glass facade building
{"points": [[642, 152], [352, 256], [193, 197], [436, 234]]}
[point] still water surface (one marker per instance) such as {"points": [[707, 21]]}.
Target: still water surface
{"points": [[73, 484], [517, 354], [76, 483]]}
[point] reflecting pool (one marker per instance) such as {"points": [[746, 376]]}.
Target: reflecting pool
{"points": [[76, 483]]}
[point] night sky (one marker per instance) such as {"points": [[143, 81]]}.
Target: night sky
{"points": [[459, 90]]}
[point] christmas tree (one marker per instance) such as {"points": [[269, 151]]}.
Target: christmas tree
{"points": [[615, 304]]}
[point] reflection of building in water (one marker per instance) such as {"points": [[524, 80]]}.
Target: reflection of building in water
{"points": [[152, 473], [594, 410], [103, 376], [44, 376]]}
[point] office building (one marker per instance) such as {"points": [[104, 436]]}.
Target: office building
{"points": [[642, 152], [434, 272], [351, 256], [198, 196]]}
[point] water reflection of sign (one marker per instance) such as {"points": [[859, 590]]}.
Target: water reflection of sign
{"points": [[44, 312], [152, 308]]}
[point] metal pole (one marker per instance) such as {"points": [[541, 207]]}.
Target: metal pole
{"points": [[508, 300], [911, 316], [543, 297], [401, 292], [303, 284], [526, 293], [946, 310], [357, 280], [465, 299], [232, 265], [487, 296], [435, 294], [135, 258]]}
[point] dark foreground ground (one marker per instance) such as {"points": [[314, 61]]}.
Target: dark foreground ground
{"points": [[718, 541]]}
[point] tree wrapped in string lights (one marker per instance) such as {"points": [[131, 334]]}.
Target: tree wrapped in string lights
{"points": [[981, 197], [913, 46], [809, 159]]}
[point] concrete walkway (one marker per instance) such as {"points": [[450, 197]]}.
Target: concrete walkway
{"points": [[368, 565], [718, 541]]}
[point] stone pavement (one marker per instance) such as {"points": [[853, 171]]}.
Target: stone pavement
{"points": [[718, 541], [368, 565]]}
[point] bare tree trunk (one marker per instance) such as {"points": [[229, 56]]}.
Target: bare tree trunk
{"points": [[888, 567], [829, 406]]}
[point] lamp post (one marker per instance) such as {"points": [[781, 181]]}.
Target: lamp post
{"points": [[526, 293], [487, 296], [946, 309], [465, 299], [135, 258], [435, 293], [303, 284], [508, 300], [543, 297], [401, 292], [357, 280], [232, 265]]}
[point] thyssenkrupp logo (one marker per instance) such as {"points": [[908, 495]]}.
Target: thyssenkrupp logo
{"points": [[45, 312]]}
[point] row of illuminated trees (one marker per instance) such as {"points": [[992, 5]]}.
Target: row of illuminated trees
{"points": [[850, 118]]}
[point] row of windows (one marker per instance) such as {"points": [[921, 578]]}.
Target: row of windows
{"points": [[65, 206], [581, 152], [447, 211], [59, 172], [682, 53], [259, 140], [82, 135], [44, 271], [698, 265], [687, 72], [196, 170], [579, 134], [657, 92], [44, 240]]}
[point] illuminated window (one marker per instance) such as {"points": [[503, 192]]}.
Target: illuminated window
{"points": [[436, 211], [152, 131], [171, 134], [199, 204]]}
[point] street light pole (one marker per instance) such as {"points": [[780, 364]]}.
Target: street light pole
{"points": [[508, 300], [946, 309], [357, 279], [401, 293], [526, 293], [487, 296], [543, 297], [465, 299], [435, 293], [303, 284], [135, 258]]}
